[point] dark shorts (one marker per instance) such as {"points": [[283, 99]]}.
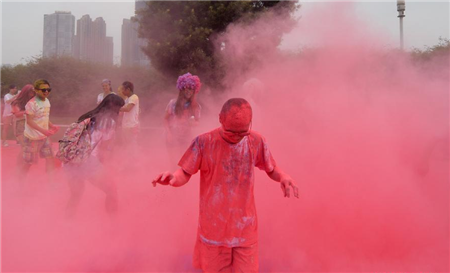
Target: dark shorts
{"points": [[33, 148], [211, 258]]}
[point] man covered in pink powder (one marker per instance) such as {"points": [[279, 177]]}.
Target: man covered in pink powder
{"points": [[227, 239]]}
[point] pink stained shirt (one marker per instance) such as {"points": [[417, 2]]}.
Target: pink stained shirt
{"points": [[227, 204]]}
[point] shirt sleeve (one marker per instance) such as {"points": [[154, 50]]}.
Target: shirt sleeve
{"points": [[29, 108], [192, 158], [264, 160], [133, 100], [8, 97]]}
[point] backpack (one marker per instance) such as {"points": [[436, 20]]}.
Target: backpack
{"points": [[75, 147]]}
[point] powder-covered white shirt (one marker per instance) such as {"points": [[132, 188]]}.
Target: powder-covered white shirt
{"points": [[7, 108], [131, 119], [39, 112]]}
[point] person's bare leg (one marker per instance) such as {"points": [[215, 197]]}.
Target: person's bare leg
{"points": [[108, 186], [50, 170], [76, 192], [20, 140], [6, 125], [50, 165], [22, 170]]}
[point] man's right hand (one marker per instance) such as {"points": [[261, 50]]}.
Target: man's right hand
{"points": [[165, 178]]}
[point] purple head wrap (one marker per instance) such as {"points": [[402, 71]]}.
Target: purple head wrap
{"points": [[189, 81]]}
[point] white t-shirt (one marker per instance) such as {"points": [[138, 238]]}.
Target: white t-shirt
{"points": [[39, 112], [101, 96], [131, 119], [7, 109]]}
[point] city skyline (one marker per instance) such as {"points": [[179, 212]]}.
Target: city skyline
{"points": [[16, 48], [87, 42], [424, 23]]}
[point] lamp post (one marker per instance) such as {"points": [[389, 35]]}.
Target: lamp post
{"points": [[401, 14]]}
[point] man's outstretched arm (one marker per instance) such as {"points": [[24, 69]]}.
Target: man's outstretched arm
{"points": [[285, 180], [177, 179]]}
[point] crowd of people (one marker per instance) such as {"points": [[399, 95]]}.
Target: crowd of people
{"points": [[226, 157]]}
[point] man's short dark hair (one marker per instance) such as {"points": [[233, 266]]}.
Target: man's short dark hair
{"points": [[127, 84], [238, 102], [12, 86]]}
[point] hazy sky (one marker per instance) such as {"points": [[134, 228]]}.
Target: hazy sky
{"points": [[22, 22]]}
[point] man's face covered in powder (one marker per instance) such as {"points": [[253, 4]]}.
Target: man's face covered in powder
{"points": [[236, 124]]}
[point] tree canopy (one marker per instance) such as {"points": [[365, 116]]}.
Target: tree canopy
{"points": [[180, 33], [440, 50]]}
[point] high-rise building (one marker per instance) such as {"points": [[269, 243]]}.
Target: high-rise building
{"points": [[132, 53], [82, 41], [91, 42], [59, 30]]}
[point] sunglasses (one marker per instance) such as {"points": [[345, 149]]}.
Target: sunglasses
{"points": [[45, 90], [236, 134], [240, 134]]}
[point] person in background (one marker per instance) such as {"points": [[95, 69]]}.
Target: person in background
{"points": [[227, 238], [107, 89], [7, 115], [181, 115], [18, 110], [131, 110], [38, 129], [101, 126]]}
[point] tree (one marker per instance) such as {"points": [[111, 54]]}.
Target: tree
{"points": [[441, 50], [434, 60], [180, 34]]}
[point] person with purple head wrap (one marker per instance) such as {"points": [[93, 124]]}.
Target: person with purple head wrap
{"points": [[182, 114]]}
